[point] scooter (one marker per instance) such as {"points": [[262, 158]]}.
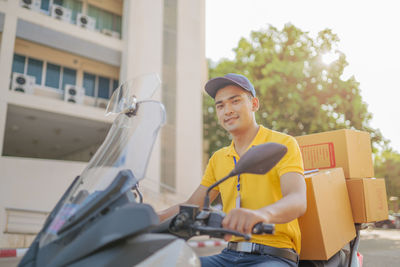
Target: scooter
{"points": [[101, 219]]}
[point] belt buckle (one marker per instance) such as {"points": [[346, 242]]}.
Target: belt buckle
{"points": [[245, 247]]}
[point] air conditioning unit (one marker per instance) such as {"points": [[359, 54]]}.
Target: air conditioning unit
{"points": [[30, 4], [85, 21], [102, 103], [61, 13], [22, 83], [74, 94]]}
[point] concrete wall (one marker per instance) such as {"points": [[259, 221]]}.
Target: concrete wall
{"points": [[55, 105], [142, 54], [69, 37], [32, 184]]}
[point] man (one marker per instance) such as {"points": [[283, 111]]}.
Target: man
{"points": [[277, 197]]}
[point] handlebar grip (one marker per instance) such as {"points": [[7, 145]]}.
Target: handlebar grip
{"points": [[263, 228]]}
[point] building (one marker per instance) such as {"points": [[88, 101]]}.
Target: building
{"points": [[60, 61]]}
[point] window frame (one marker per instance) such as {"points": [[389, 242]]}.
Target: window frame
{"points": [[26, 61], [59, 81], [96, 85], [77, 71], [115, 20]]}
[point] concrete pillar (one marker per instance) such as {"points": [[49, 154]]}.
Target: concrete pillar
{"points": [[6, 59], [7, 44], [143, 33], [142, 27], [190, 82]]}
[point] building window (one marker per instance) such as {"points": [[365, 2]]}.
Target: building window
{"points": [[104, 88], [56, 76], [74, 5], [35, 69], [104, 19], [30, 66], [115, 85], [89, 83], [99, 86], [69, 77], [45, 4], [53, 75], [18, 64]]}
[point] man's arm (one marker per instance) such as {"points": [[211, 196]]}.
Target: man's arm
{"points": [[197, 198], [292, 205]]}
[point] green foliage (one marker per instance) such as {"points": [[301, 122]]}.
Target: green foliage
{"points": [[387, 165], [298, 93]]}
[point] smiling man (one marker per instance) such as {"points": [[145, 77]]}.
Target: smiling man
{"points": [[278, 197]]}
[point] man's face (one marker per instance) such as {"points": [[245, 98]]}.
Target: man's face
{"points": [[235, 109]]}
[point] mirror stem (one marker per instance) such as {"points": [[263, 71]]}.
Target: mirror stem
{"points": [[206, 205]]}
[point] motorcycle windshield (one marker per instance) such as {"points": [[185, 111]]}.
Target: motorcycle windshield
{"points": [[128, 145], [138, 89]]}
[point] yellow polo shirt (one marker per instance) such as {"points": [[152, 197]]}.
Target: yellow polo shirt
{"points": [[258, 191]]}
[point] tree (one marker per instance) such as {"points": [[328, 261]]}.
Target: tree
{"points": [[299, 93], [387, 165]]}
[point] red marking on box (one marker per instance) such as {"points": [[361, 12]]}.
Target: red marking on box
{"points": [[318, 156]]}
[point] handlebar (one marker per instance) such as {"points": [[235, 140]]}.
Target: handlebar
{"points": [[190, 222], [217, 232], [258, 229]]}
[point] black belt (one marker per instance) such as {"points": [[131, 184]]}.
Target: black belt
{"points": [[255, 248]]}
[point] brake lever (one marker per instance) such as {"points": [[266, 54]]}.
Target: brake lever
{"points": [[209, 230]]}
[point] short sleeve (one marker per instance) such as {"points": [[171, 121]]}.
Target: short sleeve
{"points": [[292, 161], [209, 175]]}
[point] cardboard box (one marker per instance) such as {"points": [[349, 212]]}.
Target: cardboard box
{"points": [[348, 149], [368, 199], [327, 226]]}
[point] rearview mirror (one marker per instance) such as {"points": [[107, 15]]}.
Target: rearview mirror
{"points": [[257, 160], [260, 159]]}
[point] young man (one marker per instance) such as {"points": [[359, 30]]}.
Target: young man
{"points": [[277, 197]]}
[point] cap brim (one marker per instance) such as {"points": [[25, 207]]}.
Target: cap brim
{"points": [[213, 85]]}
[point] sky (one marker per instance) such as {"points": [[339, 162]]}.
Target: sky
{"points": [[369, 33]]}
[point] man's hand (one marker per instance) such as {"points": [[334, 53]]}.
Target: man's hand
{"points": [[197, 198], [292, 205], [243, 220]]}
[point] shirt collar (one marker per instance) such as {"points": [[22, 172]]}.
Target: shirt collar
{"points": [[260, 138]]}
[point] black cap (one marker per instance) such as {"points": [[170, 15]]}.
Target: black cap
{"points": [[213, 85]]}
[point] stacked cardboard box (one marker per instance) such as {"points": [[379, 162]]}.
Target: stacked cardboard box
{"points": [[348, 149], [351, 151], [368, 199], [327, 225]]}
